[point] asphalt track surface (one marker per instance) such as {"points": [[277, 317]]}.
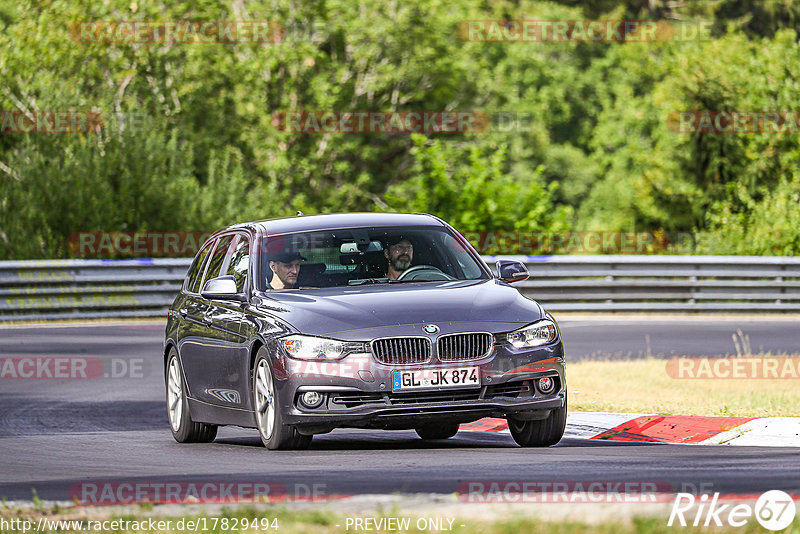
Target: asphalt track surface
{"points": [[55, 433]]}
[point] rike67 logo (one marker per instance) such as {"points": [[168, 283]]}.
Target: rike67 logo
{"points": [[774, 510]]}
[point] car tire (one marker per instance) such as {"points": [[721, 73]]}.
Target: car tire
{"points": [[269, 420], [183, 428], [437, 430], [541, 433]]}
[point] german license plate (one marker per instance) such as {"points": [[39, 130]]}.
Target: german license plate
{"points": [[403, 380]]}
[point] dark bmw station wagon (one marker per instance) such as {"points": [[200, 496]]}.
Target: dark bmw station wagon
{"points": [[301, 325]]}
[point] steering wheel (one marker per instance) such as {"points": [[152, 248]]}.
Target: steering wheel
{"points": [[424, 272]]}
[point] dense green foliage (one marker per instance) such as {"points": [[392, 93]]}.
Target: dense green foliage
{"points": [[188, 141]]}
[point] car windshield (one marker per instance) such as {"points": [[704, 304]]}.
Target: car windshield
{"points": [[357, 256]]}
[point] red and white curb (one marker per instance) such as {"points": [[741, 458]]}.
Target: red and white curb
{"points": [[644, 428]]}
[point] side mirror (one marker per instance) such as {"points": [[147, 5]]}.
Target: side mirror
{"points": [[511, 271], [222, 288]]}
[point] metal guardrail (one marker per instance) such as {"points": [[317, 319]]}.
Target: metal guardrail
{"points": [[87, 289], [631, 283]]}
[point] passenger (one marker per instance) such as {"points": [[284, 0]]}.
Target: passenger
{"points": [[285, 267], [399, 252]]}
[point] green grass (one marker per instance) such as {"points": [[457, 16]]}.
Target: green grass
{"points": [[643, 386]]}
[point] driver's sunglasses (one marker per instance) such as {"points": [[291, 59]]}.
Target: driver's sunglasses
{"points": [[403, 247]]}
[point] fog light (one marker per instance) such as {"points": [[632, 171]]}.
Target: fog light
{"points": [[311, 399], [546, 385]]}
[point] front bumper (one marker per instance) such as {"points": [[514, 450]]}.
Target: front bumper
{"points": [[358, 391], [403, 417]]}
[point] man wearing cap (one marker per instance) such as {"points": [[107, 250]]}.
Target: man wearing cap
{"points": [[399, 251], [285, 267]]}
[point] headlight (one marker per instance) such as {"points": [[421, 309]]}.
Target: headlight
{"points": [[535, 335], [319, 348]]}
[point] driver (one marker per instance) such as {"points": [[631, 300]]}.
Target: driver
{"points": [[285, 267], [399, 252]]}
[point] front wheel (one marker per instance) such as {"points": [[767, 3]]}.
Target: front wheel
{"points": [[274, 433], [437, 431], [542, 433], [184, 430]]}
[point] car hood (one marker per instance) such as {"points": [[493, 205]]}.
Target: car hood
{"points": [[369, 311]]}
